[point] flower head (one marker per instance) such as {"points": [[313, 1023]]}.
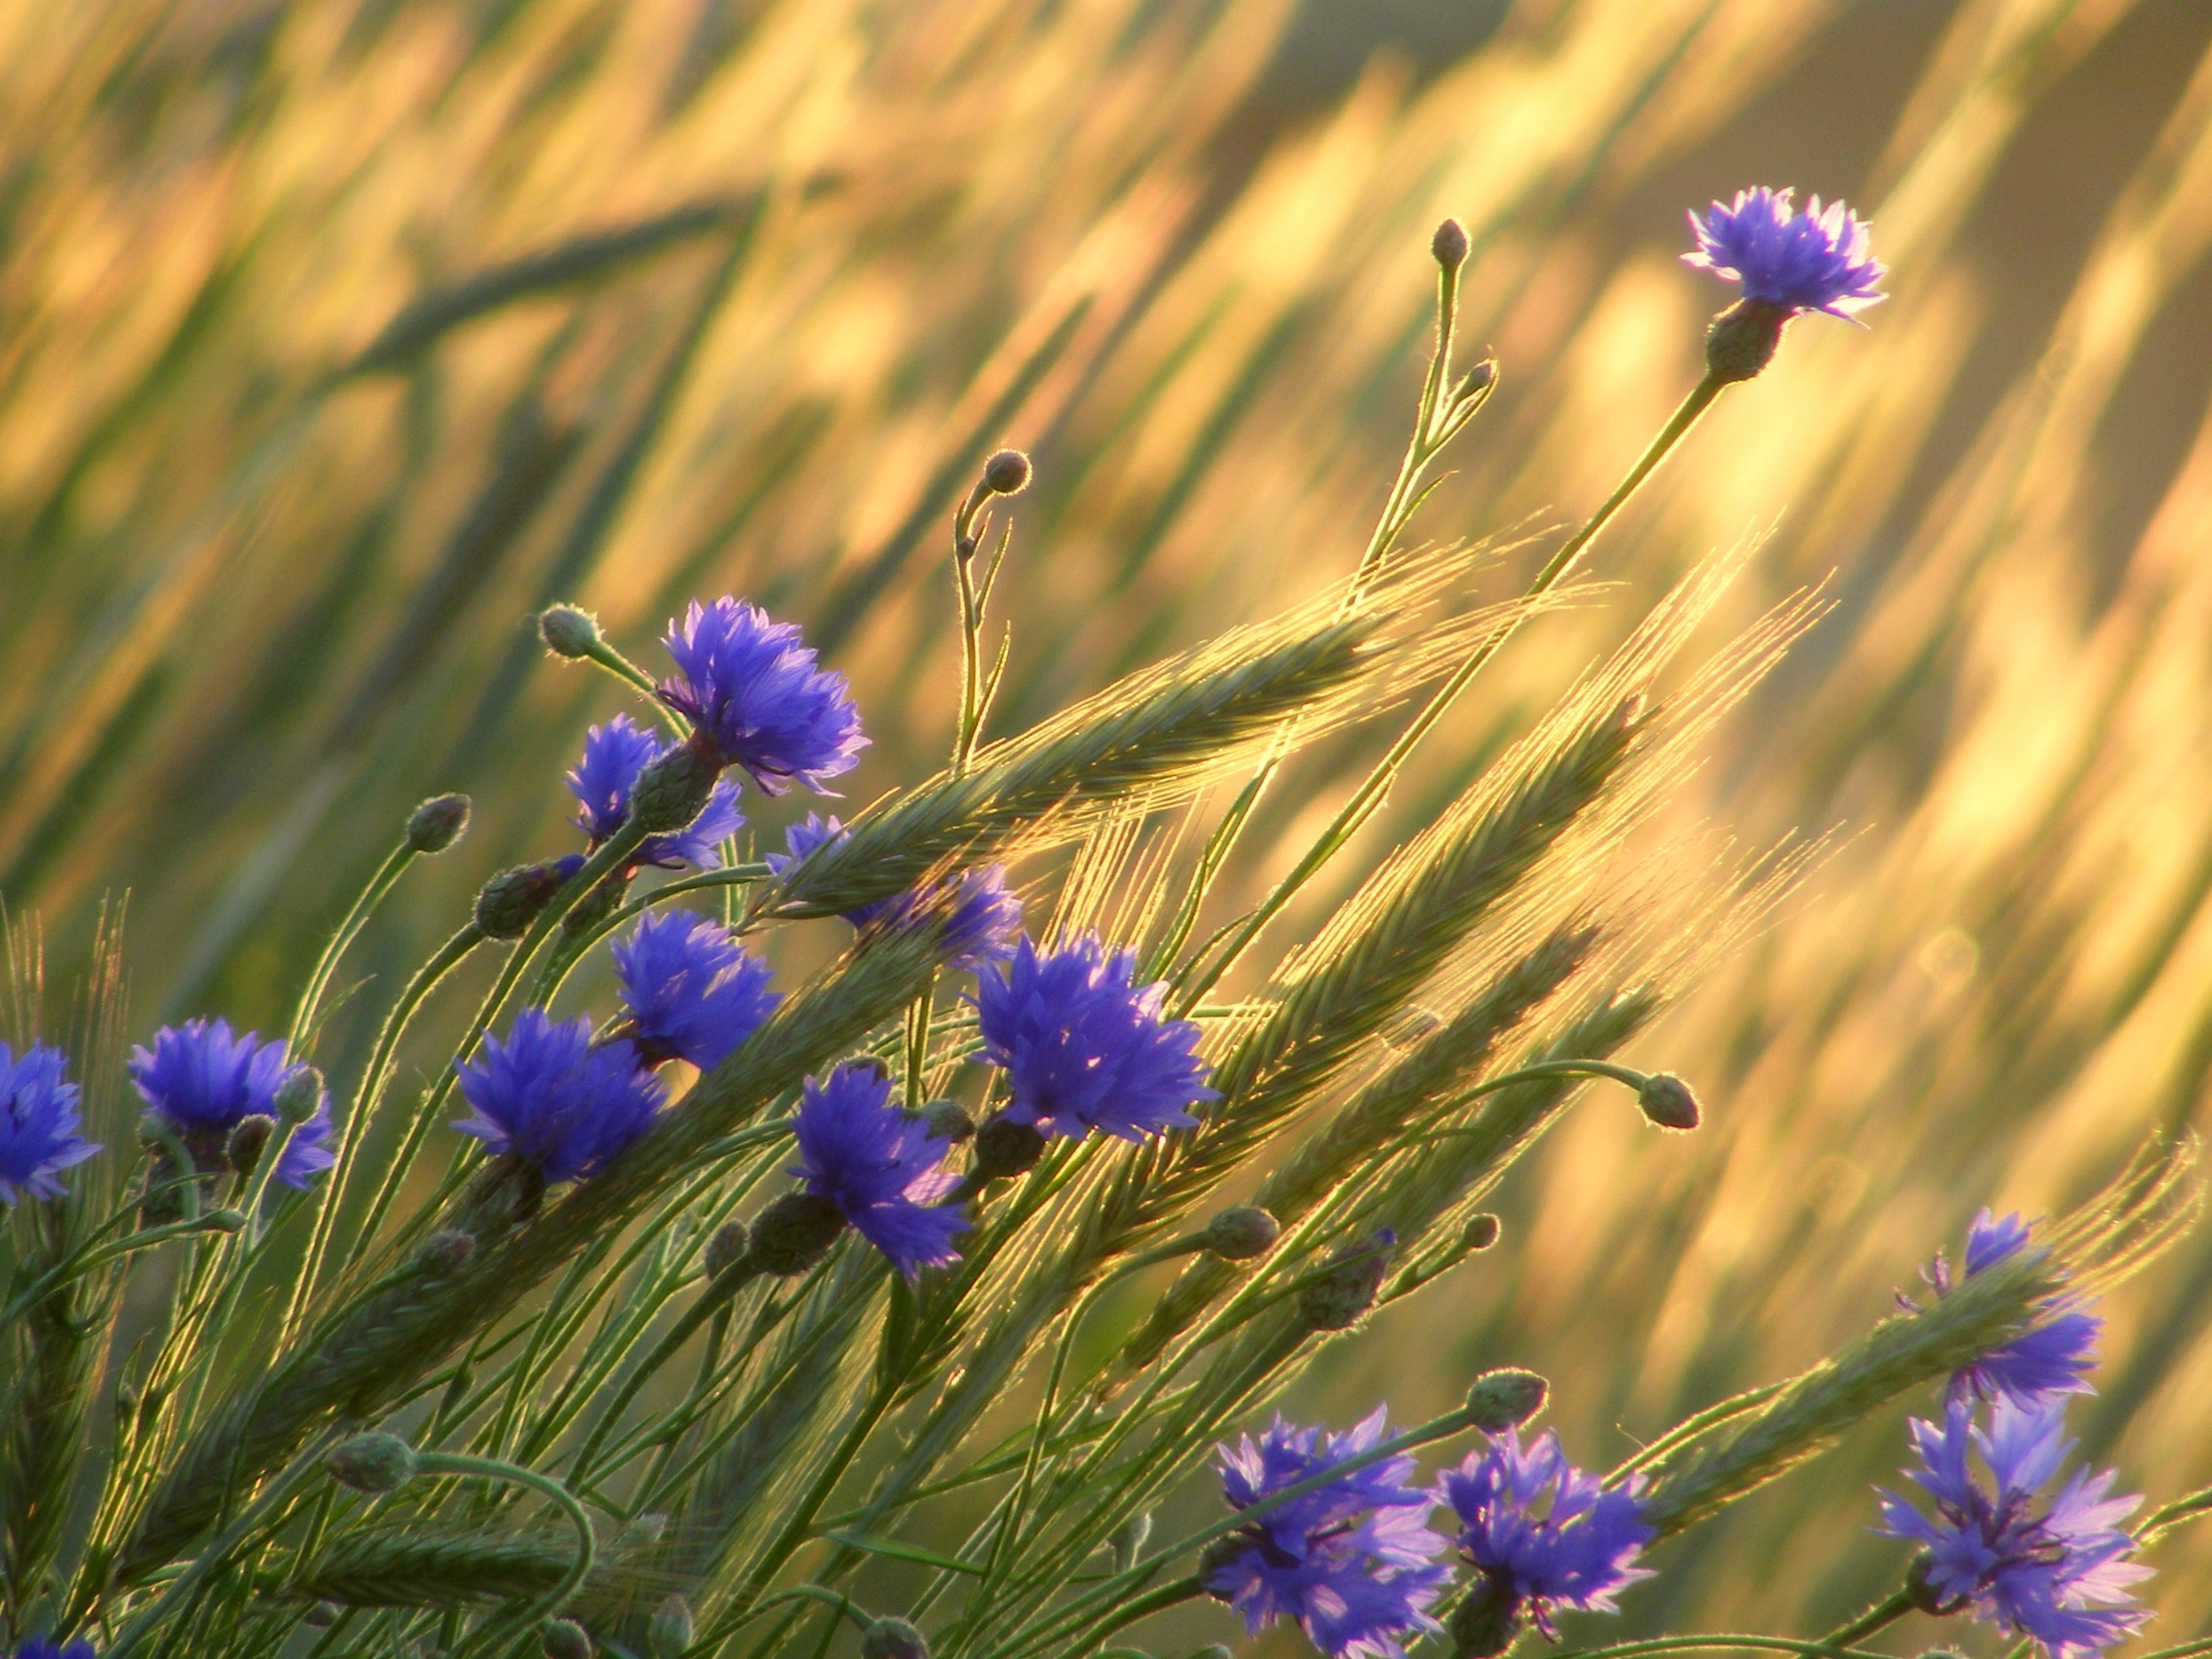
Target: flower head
{"points": [[2058, 1573], [614, 755], [44, 1647], [1084, 1049], [203, 1078], [39, 1123], [980, 917], [1351, 1562], [2051, 1358], [878, 1166], [548, 1097], [750, 687], [1541, 1534], [693, 992], [1812, 260]]}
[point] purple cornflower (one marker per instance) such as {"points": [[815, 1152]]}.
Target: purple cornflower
{"points": [[1084, 1049], [1541, 1534], [2051, 1358], [203, 1078], [693, 992], [982, 919], [44, 1647], [2058, 1573], [751, 687], [39, 1123], [1351, 1562], [1812, 260], [614, 754], [880, 1167], [550, 1098]]}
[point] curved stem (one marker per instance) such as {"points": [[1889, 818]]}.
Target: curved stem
{"points": [[491, 1469], [710, 1301], [1888, 1611], [1167, 1595]]}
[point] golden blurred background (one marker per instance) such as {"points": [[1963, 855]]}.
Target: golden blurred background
{"points": [[338, 336]]}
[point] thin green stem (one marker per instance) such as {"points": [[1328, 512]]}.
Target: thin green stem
{"points": [[487, 1468], [1158, 1601], [1888, 1611]]}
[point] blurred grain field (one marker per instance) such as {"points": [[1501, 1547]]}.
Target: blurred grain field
{"points": [[338, 336]]}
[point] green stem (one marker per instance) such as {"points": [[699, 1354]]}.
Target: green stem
{"points": [[713, 1299], [318, 978], [488, 1468], [1888, 1611], [1167, 1595], [77, 1265]]}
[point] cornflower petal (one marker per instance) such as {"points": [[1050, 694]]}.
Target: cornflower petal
{"points": [[751, 686], [39, 1123], [550, 1099], [693, 992], [1812, 259], [614, 755], [880, 1167], [202, 1077], [980, 917]]}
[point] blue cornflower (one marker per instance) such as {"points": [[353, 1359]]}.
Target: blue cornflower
{"points": [[39, 1123], [1084, 1049], [44, 1647], [1812, 260], [614, 754], [751, 689], [2058, 1574], [1351, 1562], [880, 1167], [1541, 1534], [2051, 1358], [981, 918], [550, 1098], [693, 992], [204, 1079]]}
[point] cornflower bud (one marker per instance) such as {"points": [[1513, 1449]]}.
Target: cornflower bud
{"points": [[1480, 1232], [727, 1248], [1003, 1148], [512, 899], [1450, 245], [564, 1639], [569, 632], [671, 1630], [1667, 1101], [248, 1136], [373, 1462], [1006, 473], [223, 1221], [893, 1638], [794, 1232], [1241, 1232], [321, 1616], [437, 823], [445, 1250], [1338, 1296], [300, 1097], [1502, 1400], [1130, 1539], [1486, 1621], [948, 1120], [673, 788], [1741, 340]]}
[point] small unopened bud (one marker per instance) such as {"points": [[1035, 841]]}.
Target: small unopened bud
{"points": [[1338, 1296], [445, 1250], [300, 1097], [1130, 1539], [794, 1232], [569, 632], [948, 1120], [1241, 1232], [248, 1136], [437, 823], [893, 1638], [1502, 1400], [1477, 380], [321, 1616], [726, 1247], [375, 1461], [1486, 1621], [1006, 473], [1480, 1232], [223, 1221], [1667, 1101], [1003, 1148], [512, 899], [1450, 245], [1741, 340], [671, 1630], [564, 1639], [673, 788]]}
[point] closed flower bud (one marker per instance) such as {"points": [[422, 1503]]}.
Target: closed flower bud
{"points": [[1130, 1539], [1741, 340], [223, 1221], [727, 1248], [794, 1232], [1476, 381], [300, 1097], [1502, 1400], [671, 1630], [1667, 1101], [569, 632], [893, 1638], [248, 1138], [673, 788], [1242, 1232], [1480, 1232], [1007, 1148], [375, 1462], [1006, 473], [437, 823], [1486, 1621], [1338, 1296], [321, 1616], [1220, 1554], [1450, 245], [564, 1639], [445, 1250], [512, 899], [948, 1120]]}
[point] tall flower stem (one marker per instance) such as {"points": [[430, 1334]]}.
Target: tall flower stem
{"points": [[1888, 1611], [489, 1468]]}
